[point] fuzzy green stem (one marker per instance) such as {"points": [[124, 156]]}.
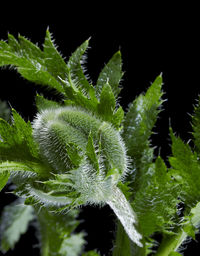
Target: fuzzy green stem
{"points": [[124, 246], [122, 243], [171, 243]]}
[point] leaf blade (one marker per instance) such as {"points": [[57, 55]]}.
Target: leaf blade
{"points": [[107, 103], [14, 222], [4, 176], [140, 120], [111, 73], [29, 61]]}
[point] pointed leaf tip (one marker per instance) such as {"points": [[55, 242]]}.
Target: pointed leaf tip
{"points": [[112, 71], [118, 53]]}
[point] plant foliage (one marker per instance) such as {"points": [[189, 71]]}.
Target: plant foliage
{"points": [[85, 149]]}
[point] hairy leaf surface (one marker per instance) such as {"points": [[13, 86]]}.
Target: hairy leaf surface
{"points": [[156, 200], [185, 169], [16, 140], [140, 120], [4, 176], [55, 233], [14, 222], [112, 74], [29, 60]]}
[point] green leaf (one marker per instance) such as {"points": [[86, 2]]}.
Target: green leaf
{"points": [[118, 117], [73, 152], [77, 98], [112, 74], [43, 103], [21, 171], [72, 245], [195, 215], [76, 69], [90, 152], [46, 199], [58, 182], [156, 200], [11, 166], [189, 226], [57, 239], [27, 48], [4, 176], [175, 254], [14, 222], [185, 169], [196, 126], [90, 253], [54, 62], [192, 221], [107, 103], [49, 69], [140, 120], [30, 61], [76, 86], [13, 43], [16, 140], [190, 230]]}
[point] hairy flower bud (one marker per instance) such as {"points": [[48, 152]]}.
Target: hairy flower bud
{"points": [[54, 129], [91, 153]]}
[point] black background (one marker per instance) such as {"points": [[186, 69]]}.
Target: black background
{"points": [[152, 39]]}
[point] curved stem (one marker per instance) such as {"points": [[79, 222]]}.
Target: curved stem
{"points": [[171, 243]]}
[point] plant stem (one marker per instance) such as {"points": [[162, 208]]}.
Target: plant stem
{"points": [[45, 248], [122, 243], [124, 246], [171, 243]]}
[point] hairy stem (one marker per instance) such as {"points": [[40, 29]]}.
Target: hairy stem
{"points": [[125, 214], [122, 243], [171, 243], [124, 246]]}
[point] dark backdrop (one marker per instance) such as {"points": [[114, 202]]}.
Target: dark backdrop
{"points": [[152, 40]]}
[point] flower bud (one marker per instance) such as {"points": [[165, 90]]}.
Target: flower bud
{"points": [[55, 129]]}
